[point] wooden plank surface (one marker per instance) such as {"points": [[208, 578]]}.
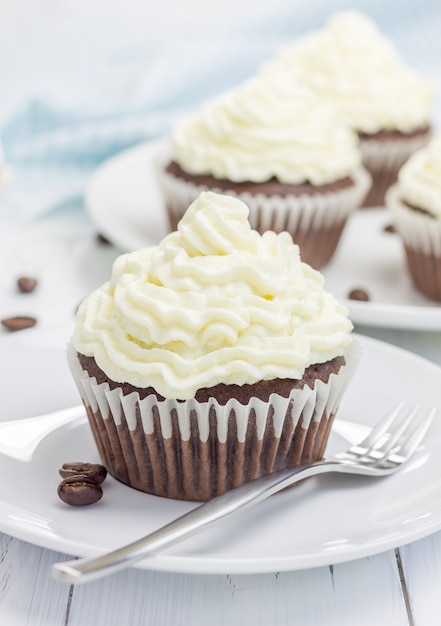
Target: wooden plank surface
{"points": [[421, 562], [363, 592], [28, 595]]}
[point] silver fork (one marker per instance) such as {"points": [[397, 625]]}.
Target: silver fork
{"points": [[390, 444]]}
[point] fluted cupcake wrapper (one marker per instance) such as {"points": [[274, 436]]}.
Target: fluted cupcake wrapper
{"points": [[193, 450], [315, 221], [383, 159], [421, 237]]}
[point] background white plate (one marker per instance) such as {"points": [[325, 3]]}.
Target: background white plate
{"points": [[325, 520], [124, 202]]}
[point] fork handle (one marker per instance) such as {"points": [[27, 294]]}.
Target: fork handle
{"points": [[240, 498]]}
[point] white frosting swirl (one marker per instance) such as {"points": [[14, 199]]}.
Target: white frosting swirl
{"points": [[213, 302], [358, 70], [419, 180], [263, 129]]}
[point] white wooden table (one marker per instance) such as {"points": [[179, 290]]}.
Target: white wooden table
{"points": [[395, 588]]}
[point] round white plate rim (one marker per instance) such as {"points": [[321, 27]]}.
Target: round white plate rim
{"points": [[111, 177], [208, 564], [118, 175]]}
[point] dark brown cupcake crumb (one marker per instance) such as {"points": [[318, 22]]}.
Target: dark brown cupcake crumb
{"points": [[267, 188], [221, 392], [389, 228], [359, 294], [26, 284], [101, 239]]}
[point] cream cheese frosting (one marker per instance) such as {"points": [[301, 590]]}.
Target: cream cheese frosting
{"points": [[213, 302], [359, 71], [266, 128], [419, 180]]}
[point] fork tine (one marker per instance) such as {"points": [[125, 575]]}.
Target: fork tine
{"points": [[382, 427], [420, 430], [396, 433]]}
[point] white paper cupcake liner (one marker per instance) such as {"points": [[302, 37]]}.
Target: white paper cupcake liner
{"points": [[418, 230], [315, 221], [195, 450], [421, 236]]}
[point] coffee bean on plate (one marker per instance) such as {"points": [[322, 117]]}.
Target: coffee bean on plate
{"points": [[18, 322], [359, 294], [79, 490], [26, 284], [389, 228], [92, 470], [102, 239]]}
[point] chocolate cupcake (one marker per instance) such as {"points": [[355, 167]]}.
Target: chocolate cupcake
{"points": [[272, 144], [415, 204], [353, 66], [211, 359]]}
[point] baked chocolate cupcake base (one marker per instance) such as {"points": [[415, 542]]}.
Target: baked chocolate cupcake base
{"points": [[425, 271], [383, 155], [229, 434], [420, 233]]}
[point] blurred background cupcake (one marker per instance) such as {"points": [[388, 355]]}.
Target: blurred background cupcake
{"points": [[352, 65], [415, 203], [272, 143], [211, 359]]}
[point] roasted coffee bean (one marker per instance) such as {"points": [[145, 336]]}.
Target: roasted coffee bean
{"points": [[389, 228], [102, 239], [19, 322], [92, 470], [26, 284], [79, 490], [359, 294]]}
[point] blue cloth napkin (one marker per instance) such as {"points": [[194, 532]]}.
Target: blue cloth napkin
{"points": [[82, 81]]}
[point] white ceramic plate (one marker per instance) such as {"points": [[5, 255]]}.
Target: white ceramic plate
{"points": [[322, 521], [124, 202]]}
